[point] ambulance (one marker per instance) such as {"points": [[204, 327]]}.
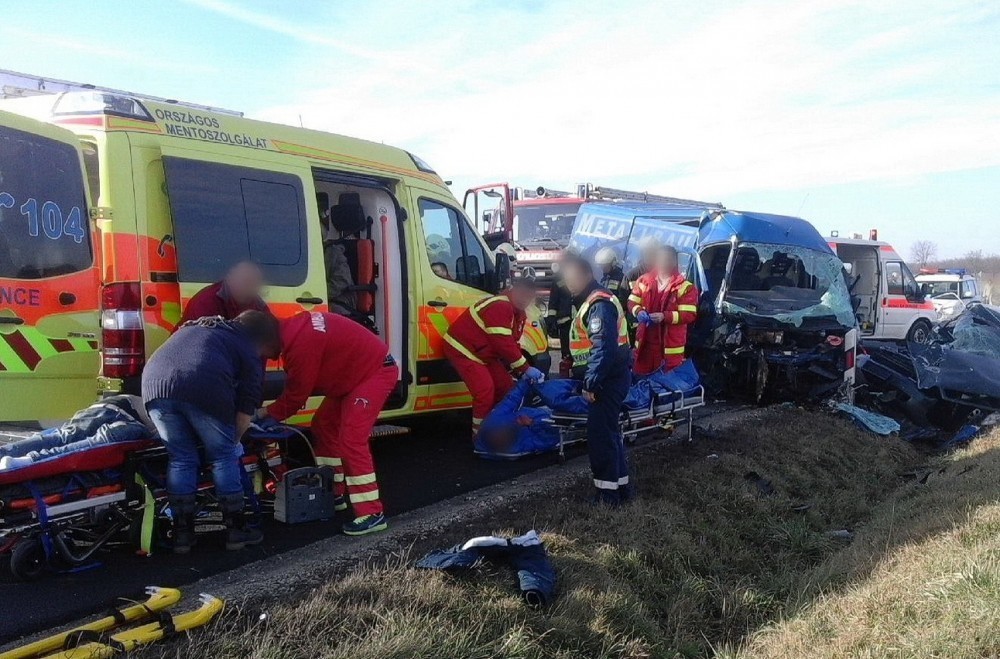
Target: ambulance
{"points": [[116, 209], [891, 304]]}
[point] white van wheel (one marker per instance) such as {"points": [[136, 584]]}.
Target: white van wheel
{"points": [[919, 332]]}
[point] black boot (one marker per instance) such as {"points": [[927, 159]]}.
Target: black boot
{"points": [[238, 533], [182, 509]]}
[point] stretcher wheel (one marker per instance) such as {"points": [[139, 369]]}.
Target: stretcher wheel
{"points": [[27, 560]]}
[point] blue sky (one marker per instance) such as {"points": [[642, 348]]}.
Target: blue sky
{"points": [[850, 113]]}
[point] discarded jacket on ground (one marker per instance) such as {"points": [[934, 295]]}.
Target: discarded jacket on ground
{"points": [[526, 554], [512, 430]]}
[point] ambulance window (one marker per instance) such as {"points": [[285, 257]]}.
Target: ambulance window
{"points": [[90, 161], [44, 225], [894, 278], [452, 248], [223, 214]]}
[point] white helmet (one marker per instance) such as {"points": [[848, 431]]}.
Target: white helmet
{"points": [[606, 256]]}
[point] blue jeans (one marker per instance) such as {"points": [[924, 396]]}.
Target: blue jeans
{"points": [[94, 426], [185, 429]]}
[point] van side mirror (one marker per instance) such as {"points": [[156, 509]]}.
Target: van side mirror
{"points": [[502, 269]]}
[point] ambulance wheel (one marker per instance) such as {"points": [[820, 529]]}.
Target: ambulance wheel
{"points": [[27, 560], [920, 331]]}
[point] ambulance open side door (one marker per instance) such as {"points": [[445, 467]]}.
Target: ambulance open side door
{"points": [[49, 274]]}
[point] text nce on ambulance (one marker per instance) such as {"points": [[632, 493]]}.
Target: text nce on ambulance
{"points": [[114, 211], [889, 299]]}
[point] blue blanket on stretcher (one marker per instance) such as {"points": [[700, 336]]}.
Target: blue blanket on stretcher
{"points": [[521, 424]]}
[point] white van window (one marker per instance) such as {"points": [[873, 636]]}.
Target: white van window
{"points": [[44, 225], [894, 278], [452, 248], [223, 214]]}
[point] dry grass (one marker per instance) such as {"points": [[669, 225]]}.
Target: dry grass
{"points": [[703, 562], [922, 578]]}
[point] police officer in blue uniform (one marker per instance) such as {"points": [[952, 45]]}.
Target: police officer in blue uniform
{"points": [[602, 360]]}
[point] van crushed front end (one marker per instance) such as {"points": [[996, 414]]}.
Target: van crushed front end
{"points": [[783, 327]]}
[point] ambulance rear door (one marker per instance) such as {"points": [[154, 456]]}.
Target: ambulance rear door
{"points": [[49, 274]]}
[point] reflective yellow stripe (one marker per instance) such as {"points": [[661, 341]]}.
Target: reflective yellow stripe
{"points": [[563, 321], [550, 312], [684, 287], [519, 363], [634, 298], [361, 480], [479, 306], [361, 497], [450, 340], [338, 477], [503, 331], [331, 462], [687, 307], [476, 420], [674, 351], [675, 317]]}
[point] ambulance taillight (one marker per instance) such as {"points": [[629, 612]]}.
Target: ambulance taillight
{"points": [[122, 335]]}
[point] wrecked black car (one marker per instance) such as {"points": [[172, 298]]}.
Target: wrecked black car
{"points": [[944, 382], [776, 320]]}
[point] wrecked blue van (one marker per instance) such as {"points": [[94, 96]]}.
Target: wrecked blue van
{"points": [[776, 315], [775, 318]]}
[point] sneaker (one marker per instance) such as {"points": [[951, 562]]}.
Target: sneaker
{"points": [[340, 504], [365, 525]]}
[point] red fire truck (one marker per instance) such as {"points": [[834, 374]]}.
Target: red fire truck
{"points": [[539, 222]]}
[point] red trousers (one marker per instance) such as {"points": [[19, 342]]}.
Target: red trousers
{"points": [[342, 427], [488, 383]]}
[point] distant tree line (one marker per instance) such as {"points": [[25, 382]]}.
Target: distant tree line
{"points": [[986, 267]]}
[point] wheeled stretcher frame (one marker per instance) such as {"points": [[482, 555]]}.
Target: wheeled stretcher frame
{"points": [[61, 521], [664, 412]]}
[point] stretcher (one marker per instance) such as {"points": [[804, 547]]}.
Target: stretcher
{"points": [[665, 410], [58, 513]]}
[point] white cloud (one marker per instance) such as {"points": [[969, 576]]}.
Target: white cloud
{"points": [[707, 102]]}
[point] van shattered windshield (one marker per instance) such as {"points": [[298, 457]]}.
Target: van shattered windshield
{"points": [[44, 228], [542, 223], [789, 284]]}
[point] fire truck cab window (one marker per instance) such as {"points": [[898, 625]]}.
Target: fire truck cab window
{"points": [[452, 248], [223, 214], [44, 219]]}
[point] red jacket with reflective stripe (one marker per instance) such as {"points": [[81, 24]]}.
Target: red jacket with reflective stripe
{"points": [[678, 302], [324, 354], [214, 300], [491, 329]]}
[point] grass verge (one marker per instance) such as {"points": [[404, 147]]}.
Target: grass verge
{"points": [[728, 552]]}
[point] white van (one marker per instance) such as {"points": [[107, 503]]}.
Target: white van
{"points": [[950, 290], [891, 303]]}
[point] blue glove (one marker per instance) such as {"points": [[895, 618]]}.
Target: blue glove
{"points": [[266, 423], [532, 374], [643, 317]]}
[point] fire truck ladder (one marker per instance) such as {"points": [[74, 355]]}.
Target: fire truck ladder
{"points": [[21, 85], [603, 193]]}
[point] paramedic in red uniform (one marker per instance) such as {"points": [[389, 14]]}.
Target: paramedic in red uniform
{"points": [[332, 356], [664, 303], [238, 292], [482, 345]]}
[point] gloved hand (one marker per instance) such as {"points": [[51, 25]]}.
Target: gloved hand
{"points": [[266, 423], [643, 317], [532, 374]]}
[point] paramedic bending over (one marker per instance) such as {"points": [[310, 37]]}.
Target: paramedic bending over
{"points": [[239, 291], [201, 388], [332, 356]]}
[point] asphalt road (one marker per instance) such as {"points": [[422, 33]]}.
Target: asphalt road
{"points": [[432, 463]]}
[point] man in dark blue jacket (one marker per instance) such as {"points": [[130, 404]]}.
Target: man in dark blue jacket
{"points": [[602, 359], [201, 390]]}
